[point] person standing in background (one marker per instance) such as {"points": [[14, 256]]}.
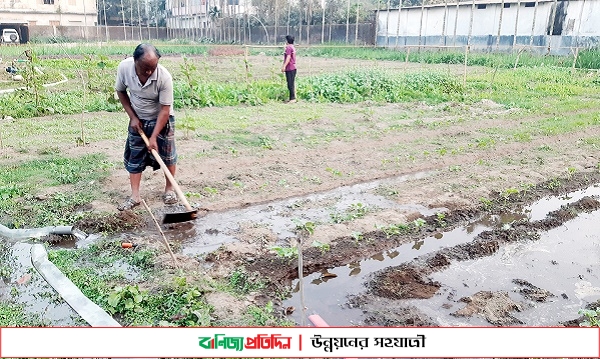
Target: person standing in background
{"points": [[289, 67]]}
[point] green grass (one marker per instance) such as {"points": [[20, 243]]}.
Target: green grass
{"points": [[19, 183], [14, 315]]}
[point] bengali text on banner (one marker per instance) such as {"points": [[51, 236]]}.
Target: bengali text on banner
{"points": [[306, 342]]}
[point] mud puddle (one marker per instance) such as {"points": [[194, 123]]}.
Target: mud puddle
{"points": [[26, 286], [548, 280], [217, 228], [543, 282], [538, 210], [325, 292]]}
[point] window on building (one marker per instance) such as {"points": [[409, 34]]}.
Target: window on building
{"points": [[49, 2], [529, 4], [72, 2], [481, 6], [506, 5], [54, 23]]}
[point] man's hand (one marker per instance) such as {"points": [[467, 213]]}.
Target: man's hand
{"points": [[152, 144], [283, 69], [135, 124]]}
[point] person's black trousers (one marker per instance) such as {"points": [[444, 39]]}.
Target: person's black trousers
{"points": [[290, 76]]}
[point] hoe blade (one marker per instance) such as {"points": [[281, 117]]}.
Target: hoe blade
{"points": [[180, 217]]}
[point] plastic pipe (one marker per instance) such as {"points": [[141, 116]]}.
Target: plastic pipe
{"points": [[34, 232], [88, 310]]}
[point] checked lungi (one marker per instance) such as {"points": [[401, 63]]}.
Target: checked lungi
{"points": [[137, 157]]}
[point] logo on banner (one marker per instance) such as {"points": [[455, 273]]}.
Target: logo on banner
{"points": [[261, 341]]}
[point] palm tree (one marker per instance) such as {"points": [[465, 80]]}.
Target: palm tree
{"points": [[214, 13]]}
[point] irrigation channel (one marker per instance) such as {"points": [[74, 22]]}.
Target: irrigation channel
{"points": [[537, 283]]}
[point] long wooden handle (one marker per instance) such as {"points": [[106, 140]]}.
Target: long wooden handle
{"points": [[167, 173]]}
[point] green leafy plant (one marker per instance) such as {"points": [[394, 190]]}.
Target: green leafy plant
{"points": [[592, 317], [354, 211], [508, 193], [440, 218], [323, 247], [288, 253], [241, 282], [126, 299], [304, 229], [419, 222], [395, 229]]}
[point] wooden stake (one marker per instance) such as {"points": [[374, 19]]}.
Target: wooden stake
{"points": [[301, 282], [162, 234], [465, 72], [575, 59]]}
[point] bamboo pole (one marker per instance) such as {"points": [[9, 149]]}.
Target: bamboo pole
{"points": [[123, 15], [356, 28], [147, 10], [289, 16], [443, 40], [139, 19], [276, 22], [421, 22], [575, 59], [131, 17], [308, 21], [535, 7], [455, 23], [387, 24], [398, 23], [301, 282], [516, 26], [500, 25], [105, 24], [465, 67], [348, 23], [323, 6], [553, 19], [471, 24], [165, 242]]}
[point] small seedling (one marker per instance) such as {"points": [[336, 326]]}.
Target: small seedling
{"points": [[419, 222], [358, 236], [440, 219], [592, 317], [323, 247], [211, 190], [507, 193], [285, 252], [334, 172], [553, 184], [486, 203], [306, 228]]}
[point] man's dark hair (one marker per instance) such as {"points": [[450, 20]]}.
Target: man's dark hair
{"points": [[289, 39], [143, 49]]}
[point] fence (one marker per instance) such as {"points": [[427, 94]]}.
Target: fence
{"points": [[355, 34]]}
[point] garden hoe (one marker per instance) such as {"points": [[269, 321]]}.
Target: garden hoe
{"points": [[173, 217]]}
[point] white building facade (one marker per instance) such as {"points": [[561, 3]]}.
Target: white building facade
{"points": [[546, 25], [49, 12]]}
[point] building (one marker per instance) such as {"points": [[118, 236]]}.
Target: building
{"points": [[544, 25], [49, 12], [200, 14]]}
